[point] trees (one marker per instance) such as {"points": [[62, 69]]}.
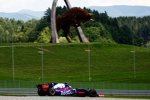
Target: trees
{"points": [[16, 30], [121, 29], [139, 27], [125, 35], [1, 34], [44, 36]]}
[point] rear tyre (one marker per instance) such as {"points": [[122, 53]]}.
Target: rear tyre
{"points": [[40, 92], [52, 92]]}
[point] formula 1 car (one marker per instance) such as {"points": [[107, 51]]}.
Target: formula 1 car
{"points": [[52, 90]]}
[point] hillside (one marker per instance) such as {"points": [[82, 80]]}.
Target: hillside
{"points": [[69, 63], [24, 15], [113, 11], [123, 10]]}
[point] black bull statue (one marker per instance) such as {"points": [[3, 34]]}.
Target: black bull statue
{"points": [[54, 38]]}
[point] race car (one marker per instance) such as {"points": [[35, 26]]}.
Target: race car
{"points": [[63, 89]]}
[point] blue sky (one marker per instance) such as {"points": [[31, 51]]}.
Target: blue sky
{"points": [[42, 5]]}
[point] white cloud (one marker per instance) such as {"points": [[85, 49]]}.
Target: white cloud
{"points": [[117, 2], [16, 5]]}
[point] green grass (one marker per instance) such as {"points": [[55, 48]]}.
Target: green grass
{"points": [[112, 64]]}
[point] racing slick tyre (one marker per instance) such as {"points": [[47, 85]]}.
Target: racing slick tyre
{"points": [[52, 92], [92, 93], [40, 92]]}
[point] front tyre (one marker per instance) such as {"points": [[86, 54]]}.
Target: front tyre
{"points": [[92, 93]]}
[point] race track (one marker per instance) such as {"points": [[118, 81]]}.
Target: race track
{"points": [[105, 92], [31, 94], [59, 98]]}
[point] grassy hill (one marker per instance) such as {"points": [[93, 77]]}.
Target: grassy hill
{"points": [[69, 63]]}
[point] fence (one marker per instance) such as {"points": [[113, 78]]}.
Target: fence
{"points": [[95, 85]]}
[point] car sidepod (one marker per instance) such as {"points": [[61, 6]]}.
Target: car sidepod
{"points": [[65, 91]]}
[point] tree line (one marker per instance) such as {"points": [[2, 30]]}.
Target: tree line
{"points": [[103, 28]]}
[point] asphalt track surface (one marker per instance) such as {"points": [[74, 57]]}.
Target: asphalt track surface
{"points": [[102, 92], [60, 98]]}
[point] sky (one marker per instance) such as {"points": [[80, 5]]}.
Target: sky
{"points": [[42, 5]]}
